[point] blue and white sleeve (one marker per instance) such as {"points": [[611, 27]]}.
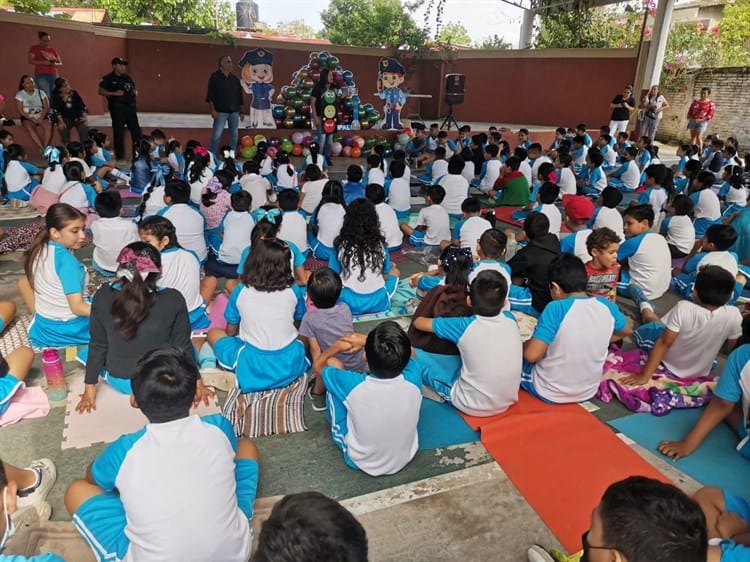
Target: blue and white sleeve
{"points": [[70, 271], [334, 263], [231, 312], [297, 257], [457, 230], [453, 328], [728, 388], [106, 466], [550, 321], [243, 259], [568, 244], [340, 382], [301, 307], [223, 424], [30, 168], [629, 247]]}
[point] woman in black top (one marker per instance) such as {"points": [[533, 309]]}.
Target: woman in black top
{"points": [[325, 140], [70, 110], [622, 106], [131, 316]]}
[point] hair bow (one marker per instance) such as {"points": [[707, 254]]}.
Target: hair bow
{"points": [[267, 214], [158, 174], [552, 177], [228, 153], [53, 154], [200, 151], [214, 185], [130, 263]]}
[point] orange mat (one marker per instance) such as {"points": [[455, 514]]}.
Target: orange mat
{"points": [[504, 214], [561, 458]]}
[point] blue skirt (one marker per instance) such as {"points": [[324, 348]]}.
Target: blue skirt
{"points": [[45, 332]]}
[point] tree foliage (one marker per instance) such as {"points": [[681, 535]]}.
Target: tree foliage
{"points": [[734, 34], [371, 23], [589, 28], [493, 42], [454, 33], [209, 14], [39, 7], [295, 28]]}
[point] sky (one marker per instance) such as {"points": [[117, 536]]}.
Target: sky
{"points": [[481, 18]]}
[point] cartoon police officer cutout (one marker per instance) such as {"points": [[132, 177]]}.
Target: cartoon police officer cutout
{"points": [[390, 76], [257, 75]]}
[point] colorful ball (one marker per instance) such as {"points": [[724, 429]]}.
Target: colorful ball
{"points": [[249, 152], [359, 142], [277, 111], [346, 151], [403, 138], [336, 148], [247, 140], [288, 122], [297, 138], [408, 132], [305, 152], [274, 141], [307, 140], [286, 145], [356, 152], [329, 125], [348, 140], [297, 150], [333, 62]]}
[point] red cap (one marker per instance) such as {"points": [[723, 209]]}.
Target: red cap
{"points": [[578, 207]]}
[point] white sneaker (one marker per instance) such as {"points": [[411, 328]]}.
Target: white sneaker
{"points": [[31, 514], [218, 379], [47, 474], [536, 553]]}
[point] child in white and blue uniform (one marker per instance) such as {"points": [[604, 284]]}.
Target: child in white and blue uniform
{"points": [[398, 191], [13, 371], [126, 517], [593, 178], [327, 220], [490, 170], [363, 261], [733, 191], [469, 229], [187, 220], [20, 177], [261, 342], [606, 214], [286, 175], [707, 207], [59, 281], [627, 177], [563, 360], [235, 229], [433, 221], [374, 172], [484, 379], [374, 416], [659, 187], [294, 225]]}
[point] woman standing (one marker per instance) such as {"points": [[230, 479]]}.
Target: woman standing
{"points": [[70, 110], [129, 317], [622, 105], [653, 105], [45, 60], [325, 140], [700, 113], [32, 104]]}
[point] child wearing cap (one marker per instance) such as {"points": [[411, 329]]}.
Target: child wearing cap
{"points": [[579, 210]]}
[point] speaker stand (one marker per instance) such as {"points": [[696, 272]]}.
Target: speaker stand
{"points": [[449, 120]]}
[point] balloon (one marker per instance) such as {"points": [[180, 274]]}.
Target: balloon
{"points": [[315, 75], [359, 142], [260, 138], [286, 145], [365, 125], [280, 99], [306, 95], [247, 141], [298, 121], [297, 149], [249, 152], [348, 140], [367, 108], [333, 62], [272, 151], [306, 141], [348, 76], [356, 152], [408, 132], [313, 57], [346, 151], [369, 142], [403, 138], [288, 92], [305, 109], [297, 138], [329, 125], [398, 146], [305, 152], [336, 149], [298, 103], [323, 58], [288, 122], [279, 121], [314, 66], [290, 112], [274, 141], [277, 111]]}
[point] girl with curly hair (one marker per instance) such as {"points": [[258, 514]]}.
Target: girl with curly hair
{"points": [[362, 260]]}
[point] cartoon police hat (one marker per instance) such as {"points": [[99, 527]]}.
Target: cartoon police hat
{"points": [[391, 65], [257, 56]]}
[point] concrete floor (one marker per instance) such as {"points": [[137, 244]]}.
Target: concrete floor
{"points": [[448, 504]]}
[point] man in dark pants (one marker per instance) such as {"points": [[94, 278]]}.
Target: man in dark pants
{"points": [[224, 98], [120, 92]]}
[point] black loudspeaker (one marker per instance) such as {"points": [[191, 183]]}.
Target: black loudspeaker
{"points": [[247, 14], [454, 88]]}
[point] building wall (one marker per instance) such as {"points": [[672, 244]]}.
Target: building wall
{"points": [[730, 89]]}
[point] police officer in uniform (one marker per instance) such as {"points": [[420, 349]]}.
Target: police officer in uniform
{"points": [[119, 89]]}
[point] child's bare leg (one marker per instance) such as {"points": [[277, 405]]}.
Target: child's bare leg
{"points": [[7, 312], [648, 315], [22, 477], [78, 492], [214, 335], [320, 386], [27, 294], [19, 362], [230, 285], [394, 272], [406, 229], [208, 288]]}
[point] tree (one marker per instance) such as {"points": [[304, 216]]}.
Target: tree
{"points": [[589, 28], [371, 23], [206, 14], [734, 33], [295, 28], [492, 42], [454, 34], [39, 7]]}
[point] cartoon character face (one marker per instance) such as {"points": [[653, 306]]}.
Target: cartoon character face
{"points": [[329, 112], [329, 96], [260, 73], [391, 79]]}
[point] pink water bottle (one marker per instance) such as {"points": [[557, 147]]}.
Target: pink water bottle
{"points": [[53, 372]]}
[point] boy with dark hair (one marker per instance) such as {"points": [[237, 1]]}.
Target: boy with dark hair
{"points": [[689, 337], [536, 159], [512, 187], [123, 515], [523, 138], [456, 187], [353, 188], [470, 228], [593, 180], [293, 224], [530, 292], [604, 144], [713, 161], [581, 131], [374, 172], [706, 204], [579, 150], [255, 184], [677, 228], [418, 143], [326, 324], [435, 169], [433, 222], [374, 415], [490, 169], [603, 270], [188, 221], [111, 232], [714, 250], [311, 192], [607, 214], [579, 210], [644, 257], [525, 166], [491, 253], [312, 527], [389, 225], [563, 360], [398, 190], [485, 377], [627, 177], [642, 520]]}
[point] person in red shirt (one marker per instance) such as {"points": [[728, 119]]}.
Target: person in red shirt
{"points": [[45, 60], [603, 270], [700, 113]]}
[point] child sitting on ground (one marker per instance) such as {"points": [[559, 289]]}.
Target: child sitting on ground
{"points": [[714, 250], [353, 188], [707, 207], [490, 170], [374, 416], [125, 517], [563, 360], [487, 375], [677, 228], [607, 214], [374, 173], [111, 232], [578, 213], [545, 174], [659, 188], [255, 184], [399, 192], [326, 221], [593, 180], [435, 169], [456, 187], [566, 177], [187, 220], [627, 177], [733, 192], [689, 337], [433, 222], [389, 223], [728, 520], [324, 325], [511, 188], [603, 270], [530, 291], [311, 191], [644, 257], [548, 194], [470, 228], [293, 224]]}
